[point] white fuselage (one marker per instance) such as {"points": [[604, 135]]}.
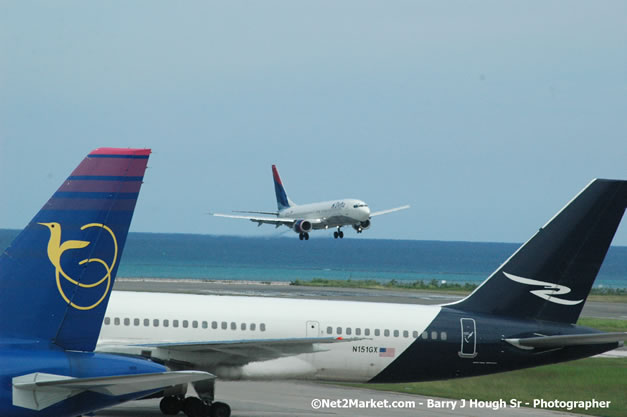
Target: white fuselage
{"points": [[329, 213], [131, 317]]}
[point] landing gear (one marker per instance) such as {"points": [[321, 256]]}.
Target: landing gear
{"points": [[339, 234], [219, 409], [201, 406], [304, 235], [193, 407], [171, 405]]}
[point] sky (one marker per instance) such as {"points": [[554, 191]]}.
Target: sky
{"points": [[486, 116]]}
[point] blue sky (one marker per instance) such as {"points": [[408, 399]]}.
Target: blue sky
{"points": [[485, 116]]}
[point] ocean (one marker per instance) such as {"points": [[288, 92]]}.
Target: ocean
{"points": [[192, 256]]}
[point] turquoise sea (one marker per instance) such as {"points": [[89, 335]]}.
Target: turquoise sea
{"points": [[193, 256]]}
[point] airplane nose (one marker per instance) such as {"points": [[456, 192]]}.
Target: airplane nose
{"points": [[366, 212]]}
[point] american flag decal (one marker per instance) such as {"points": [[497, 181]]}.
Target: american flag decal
{"points": [[387, 352]]}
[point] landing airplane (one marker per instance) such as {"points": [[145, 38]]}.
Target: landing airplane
{"points": [[55, 281], [523, 315], [314, 216]]}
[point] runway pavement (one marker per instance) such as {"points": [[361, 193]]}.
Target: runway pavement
{"points": [[281, 289], [297, 399]]}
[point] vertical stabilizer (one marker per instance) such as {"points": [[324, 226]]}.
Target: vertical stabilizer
{"points": [[282, 200], [550, 276], [57, 275]]}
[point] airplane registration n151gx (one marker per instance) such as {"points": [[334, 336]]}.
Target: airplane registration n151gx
{"points": [[522, 315], [304, 218]]}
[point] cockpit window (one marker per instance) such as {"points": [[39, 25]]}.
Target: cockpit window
{"points": [[360, 205]]}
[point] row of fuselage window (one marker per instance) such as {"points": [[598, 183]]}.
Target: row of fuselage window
{"points": [[339, 331], [195, 324], [348, 331]]}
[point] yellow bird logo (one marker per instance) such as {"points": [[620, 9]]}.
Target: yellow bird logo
{"points": [[56, 250]]}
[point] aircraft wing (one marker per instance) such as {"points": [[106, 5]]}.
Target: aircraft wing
{"points": [[568, 340], [271, 213], [260, 220], [228, 353], [39, 390], [277, 221], [392, 210]]}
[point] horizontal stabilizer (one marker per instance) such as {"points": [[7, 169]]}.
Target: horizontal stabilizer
{"points": [[37, 391], [568, 340]]}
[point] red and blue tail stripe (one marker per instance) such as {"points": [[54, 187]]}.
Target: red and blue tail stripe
{"points": [[281, 197], [98, 177], [58, 273]]}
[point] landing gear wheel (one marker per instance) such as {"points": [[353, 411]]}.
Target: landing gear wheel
{"points": [[335, 235], [194, 407], [171, 405], [341, 234], [306, 236], [300, 236], [219, 409]]}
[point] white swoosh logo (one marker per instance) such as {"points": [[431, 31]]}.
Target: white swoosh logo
{"points": [[550, 289]]}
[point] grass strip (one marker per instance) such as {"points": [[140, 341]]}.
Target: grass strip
{"points": [[607, 325], [603, 379], [597, 294]]}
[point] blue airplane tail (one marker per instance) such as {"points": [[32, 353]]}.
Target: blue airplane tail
{"points": [[57, 275], [550, 276], [282, 201]]}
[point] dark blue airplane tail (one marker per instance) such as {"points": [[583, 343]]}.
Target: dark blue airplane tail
{"points": [[550, 276], [57, 275]]}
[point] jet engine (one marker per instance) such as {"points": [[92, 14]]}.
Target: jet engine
{"points": [[302, 226], [362, 226]]}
